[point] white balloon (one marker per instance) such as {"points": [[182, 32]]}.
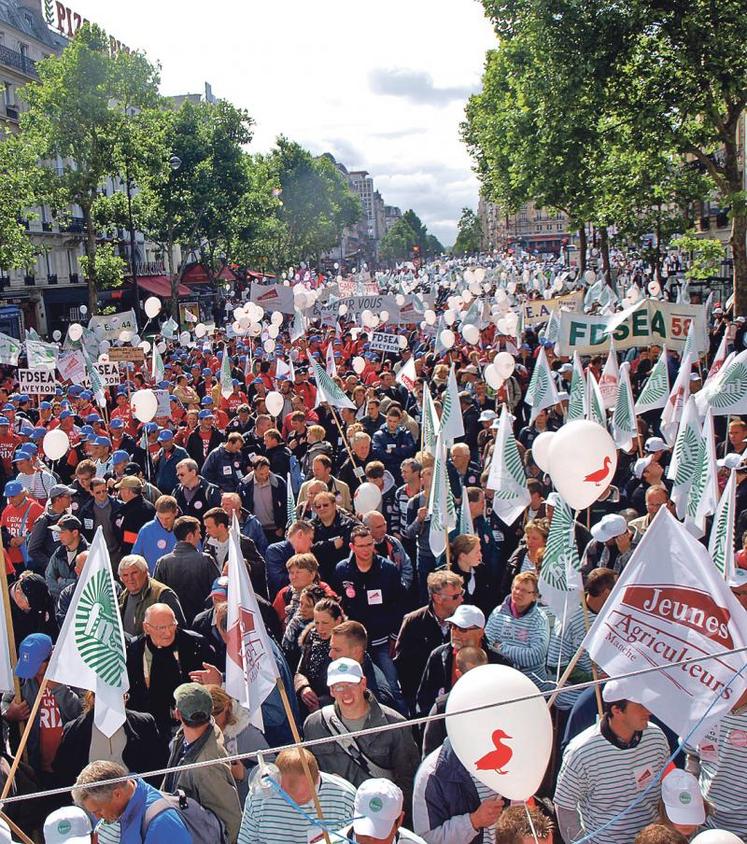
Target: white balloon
{"points": [[301, 301], [448, 338], [75, 331], [384, 316], [276, 318], [161, 346], [103, 358], [511, 287], [449, 316], [557, 284], [467, 297], [255, 329], [269, 346], [475, 288], [55, 444], [716, 836], [145, 346], [399, 299], [359, 364], [479, 274], [152, 307], [654, 288], [492, 377], [144, 404], [505, 745], [104, 346], [471, 334], [504, 364], [541, 449], [200, 330], [367, 497], [273, 331], [56, 335], [583, 459], [184, 338], [237, 328], [135, 339], [342, 310], [468, 276], [238, 313], [244, 323], [403, 341], [84, 309], [274, 401], [430, 317]]}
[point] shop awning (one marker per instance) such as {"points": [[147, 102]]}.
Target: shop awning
{"points": [[160, 285], [196, 274]]}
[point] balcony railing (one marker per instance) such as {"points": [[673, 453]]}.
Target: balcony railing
{"points": [[12, 58], [12, 112], [75, 224]]}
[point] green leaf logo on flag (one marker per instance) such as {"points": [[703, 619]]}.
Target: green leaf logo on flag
{"points": [[561, 555], [721, 528], [576, 398], [686, 453], [512, 462], [621, 417], [733, 388], [700, 479], [97, 630], [656, 389]]}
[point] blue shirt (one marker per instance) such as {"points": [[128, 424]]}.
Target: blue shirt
{"points": [[166, 828], [153, 541]]}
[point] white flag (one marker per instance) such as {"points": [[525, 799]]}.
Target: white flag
{"points": [[90, 652], [328, 390], [452, 424], [671, 604], [624, 420], [702, 499], [577, 394], [685, 456], [560, 583], [330, 360], [595, 410], [430, 422], [251, 671], [440, 501], [721, 542], [541, 392], [42, 355], [672, 413], [726, 394], [718, 360], [656, 389], [407, 376], [610, 377], [281, 368], [226, 378], [507, 477]]}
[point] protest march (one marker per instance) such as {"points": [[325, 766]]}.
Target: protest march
{"points": [[326, 571]]}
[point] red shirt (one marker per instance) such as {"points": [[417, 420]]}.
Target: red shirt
{"points": [[8, 445], [18, 521]]}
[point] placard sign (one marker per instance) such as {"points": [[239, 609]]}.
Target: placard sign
{"points": [[36, 382]]}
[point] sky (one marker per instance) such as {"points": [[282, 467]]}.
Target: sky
{"points": [[382, 86]]}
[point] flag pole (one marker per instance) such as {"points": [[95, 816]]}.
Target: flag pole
{"points": [[597, 689], [565, 675], [301, 750], [24, 740], [9, 624], [344, 438]]}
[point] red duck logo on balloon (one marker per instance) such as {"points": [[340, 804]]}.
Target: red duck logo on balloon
{"points": [[600, 474], [497, 759]]}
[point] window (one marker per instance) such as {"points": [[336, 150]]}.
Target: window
{"points": [[23, 49]]}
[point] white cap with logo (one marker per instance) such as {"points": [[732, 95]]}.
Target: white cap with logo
{"points": [[378, 804], [344, 670], [68, 825], [466, 616], [683, 801]]}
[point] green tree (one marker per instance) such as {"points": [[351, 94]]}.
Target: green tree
{"points": [[74, 122], [469, 233], [21, 181], [397, 243], [705, 253], [433, 246]]}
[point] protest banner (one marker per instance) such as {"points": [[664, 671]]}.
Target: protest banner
{"points": [[112, 325], [272, 297], [672, 604], [126, 353], [664, 323], [72, 367], [357, 304], [164, 402], [108, 372], [382, 342], [36, 382], [537, 311]]}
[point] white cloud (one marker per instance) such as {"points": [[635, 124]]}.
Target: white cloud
{"points": [[380, 86]]}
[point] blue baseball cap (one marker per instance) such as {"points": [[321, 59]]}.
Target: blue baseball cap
{"points": [[23, 398], [38, 433], [206, 400], [45, 405], [120, 456], [8, 408], [116, 424], [165, 436], [87, 431], [103, 441], [174, 398], [65, 414], [74, 390], [30, 449], [164, 385], [13, 488], [93, 417], [4, 420], [26, 430], [205, 414], [207, 371], [86, 394], [150, 427], [21, 455], [33, 652]]}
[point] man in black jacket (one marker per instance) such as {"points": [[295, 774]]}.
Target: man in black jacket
{"points": [[189, 572], [331, 534], [277, 452], [216, 529], [425, 629], [265, 496], [194, 495], [159, 661], [134, 513], [204, 438]]}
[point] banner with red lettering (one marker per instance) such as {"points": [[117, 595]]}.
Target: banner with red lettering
{"points": [[672, 604]]}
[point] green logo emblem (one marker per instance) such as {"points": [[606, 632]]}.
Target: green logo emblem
{"points": [[685, 798], [375, 804], [97, 630], [63, 827]]}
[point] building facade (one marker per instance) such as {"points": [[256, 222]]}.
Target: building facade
{"points": [[531, 229]]}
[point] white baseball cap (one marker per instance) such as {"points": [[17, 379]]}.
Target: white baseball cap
{"points": [[683, 801], [654, 444], [639, 465], [344, 670], [732, 461], [487, 416], [466, 616], [738, 578], [619, 690], [609, 527], [68, 825], [378, 804]]}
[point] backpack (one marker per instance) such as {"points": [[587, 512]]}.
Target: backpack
{"points": [[202, 824]]}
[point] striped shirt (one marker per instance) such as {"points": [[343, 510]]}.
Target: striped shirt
{"points": [[564, 643], [723, 773], [523, 640], [600, 780], [108, 833], [268, 819]]}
